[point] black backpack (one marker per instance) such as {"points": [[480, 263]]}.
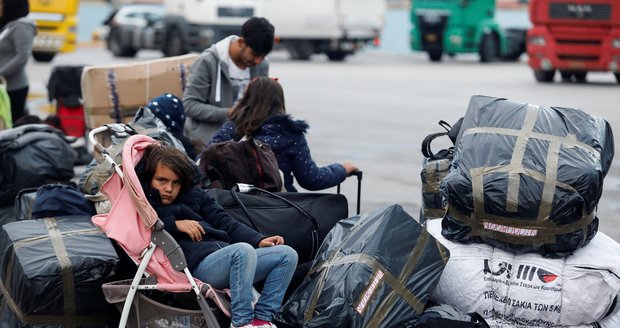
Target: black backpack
{"points": [[434, 168], [223, 165]]}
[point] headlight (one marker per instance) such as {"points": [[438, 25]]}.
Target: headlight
{"points": [[615, 43], [537, 41], [456, 39]]}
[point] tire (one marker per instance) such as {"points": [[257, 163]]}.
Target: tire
{"points": [[572, 76], [299, 50], [44, 57], [337, 55], [617, 77], [580, 77], [116, 46], [566, 76], [435, 55], [544, 76], [489, 48], [175, 46]]}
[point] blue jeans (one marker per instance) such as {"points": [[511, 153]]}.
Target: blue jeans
{"points": [[239, 266]]}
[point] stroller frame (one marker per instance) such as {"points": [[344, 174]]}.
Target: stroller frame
{"points": [[160, 238]]}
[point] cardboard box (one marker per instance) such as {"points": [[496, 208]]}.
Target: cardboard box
{"points": [[130, 86]]}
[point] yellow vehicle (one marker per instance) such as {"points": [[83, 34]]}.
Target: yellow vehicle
{"points": [[56, 22]]}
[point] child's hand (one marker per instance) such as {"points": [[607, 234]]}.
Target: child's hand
{"points": [[192, 228], [271, 241]]}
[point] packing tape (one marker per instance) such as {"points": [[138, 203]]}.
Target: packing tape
{"points": [[69, 318], [518, 231]]}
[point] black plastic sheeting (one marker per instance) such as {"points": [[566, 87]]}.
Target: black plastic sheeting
{"points": [[364, 268], [30, 156], [34, 271], [539, 174]]}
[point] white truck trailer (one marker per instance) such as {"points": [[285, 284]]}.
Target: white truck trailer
{"points": [[336, 28]]}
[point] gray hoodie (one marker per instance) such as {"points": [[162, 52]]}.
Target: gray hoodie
{"points": [[209, 94], [16, 40]]}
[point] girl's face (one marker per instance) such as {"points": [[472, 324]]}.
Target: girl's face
{"points": [[167, 182]]}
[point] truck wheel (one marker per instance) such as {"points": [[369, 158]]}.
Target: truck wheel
{"points": [[116, 46], [489, 48], [566, 76], [617, 77], [434, 55], [580, 77], [544, 76], [299, 50], [337, 55], [45, 57], [174, 44]]}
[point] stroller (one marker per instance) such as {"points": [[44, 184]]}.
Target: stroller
{"points": [[134, 225]]}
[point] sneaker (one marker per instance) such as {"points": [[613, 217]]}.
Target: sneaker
{"points": [[265, 325]]}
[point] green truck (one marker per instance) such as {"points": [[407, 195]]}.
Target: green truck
{"points": [[463, 26]]}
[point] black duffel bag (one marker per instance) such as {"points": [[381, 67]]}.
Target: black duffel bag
{"points": [[302, 219]]}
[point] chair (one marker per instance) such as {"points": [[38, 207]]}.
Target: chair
{"points": [[135, 226]]}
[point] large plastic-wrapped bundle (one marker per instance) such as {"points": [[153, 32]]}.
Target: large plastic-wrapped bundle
{"points": [[526, 178], [376, 270], [30, 156], [528, 290], [52, 271]]}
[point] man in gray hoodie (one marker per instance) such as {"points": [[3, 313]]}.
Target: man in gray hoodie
{"points": [[16, 37], [218, 78]]}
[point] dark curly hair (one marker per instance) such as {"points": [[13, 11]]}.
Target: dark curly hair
{"points": [[259, 35]]}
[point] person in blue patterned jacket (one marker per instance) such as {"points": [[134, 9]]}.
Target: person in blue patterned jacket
{"points": [[261, 114]]}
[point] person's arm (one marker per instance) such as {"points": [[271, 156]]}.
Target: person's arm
{"points": [[225, 133], [180, 221], [196, 95], [22, 36], [309, 175]]}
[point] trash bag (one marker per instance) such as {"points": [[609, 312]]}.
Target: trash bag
{"points": [[375, 270], [527, 178], [32, 155]]}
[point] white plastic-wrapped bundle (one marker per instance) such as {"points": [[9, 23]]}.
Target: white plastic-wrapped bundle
{"points": [[529, 290]]}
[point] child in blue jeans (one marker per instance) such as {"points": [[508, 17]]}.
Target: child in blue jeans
{"points": [[219, 250]]}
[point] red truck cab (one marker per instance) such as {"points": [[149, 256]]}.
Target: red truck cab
{"points": [[573, 37]]}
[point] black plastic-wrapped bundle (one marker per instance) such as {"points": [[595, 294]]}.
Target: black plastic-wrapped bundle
{"points": [[52, 271], [30, 156], [527, 178], [376, 270]]}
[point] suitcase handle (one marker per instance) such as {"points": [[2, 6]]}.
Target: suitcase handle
{"points": [[359, 174]]}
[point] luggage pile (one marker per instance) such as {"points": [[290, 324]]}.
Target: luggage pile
{"points": [[521, 223]]}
